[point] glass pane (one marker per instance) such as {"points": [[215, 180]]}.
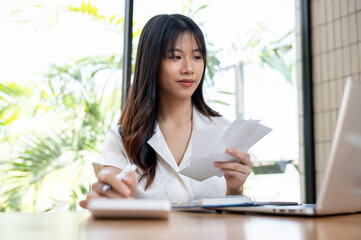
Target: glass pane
{"points": [[251, 46], [60, 93]]}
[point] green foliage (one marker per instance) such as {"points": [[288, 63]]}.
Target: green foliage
{"points": [[72, 109], [274, 54], [213, 65], [39, 157], [81, 95], [10, 97], [89, 9], [220, 102], [45, 12], [188, 9]]}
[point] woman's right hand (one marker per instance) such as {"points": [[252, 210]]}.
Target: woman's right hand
{"points": [[119, 189]]}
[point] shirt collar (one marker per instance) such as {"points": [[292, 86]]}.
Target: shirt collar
{"points": [[158, 143]]}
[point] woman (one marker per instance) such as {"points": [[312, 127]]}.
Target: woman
{"points": [[164, 106]]}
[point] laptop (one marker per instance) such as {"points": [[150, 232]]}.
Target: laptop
{"points": [[341, 189]]}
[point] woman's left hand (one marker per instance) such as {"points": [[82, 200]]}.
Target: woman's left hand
{"points": [[236, 173]]}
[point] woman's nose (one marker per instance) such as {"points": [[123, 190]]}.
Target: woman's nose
{"points": [[187, 66]]}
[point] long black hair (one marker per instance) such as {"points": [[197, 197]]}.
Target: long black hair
{"points": [[139, 115]]}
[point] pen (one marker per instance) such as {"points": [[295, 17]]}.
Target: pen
{"points": [[120, 176]]}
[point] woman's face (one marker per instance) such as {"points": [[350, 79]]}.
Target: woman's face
{"points": [[181, 71]]}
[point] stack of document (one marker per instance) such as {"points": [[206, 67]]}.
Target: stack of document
{"points": [[228, 201], [209, 146]]}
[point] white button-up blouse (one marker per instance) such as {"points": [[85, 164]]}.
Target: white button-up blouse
{"points": [[168, 183]]}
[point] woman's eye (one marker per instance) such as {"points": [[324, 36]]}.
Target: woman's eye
{"points": [[197, 57], [175, 57]]}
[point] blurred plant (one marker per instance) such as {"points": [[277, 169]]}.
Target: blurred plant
{"points": [[48, 167], [277, 54], [43, 13], [11, 95], [77, 106], [189, 11]]}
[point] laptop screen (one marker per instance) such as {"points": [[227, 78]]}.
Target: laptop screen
{"points": [[341, 189]]}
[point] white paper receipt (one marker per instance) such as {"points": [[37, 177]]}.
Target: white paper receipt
{"points": [[212, 144]]}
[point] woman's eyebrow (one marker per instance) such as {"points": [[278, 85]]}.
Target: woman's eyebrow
{"points": [[180, 50], [174, 50]]}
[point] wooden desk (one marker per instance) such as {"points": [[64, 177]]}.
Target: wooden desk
{"points": [[81, 226]]}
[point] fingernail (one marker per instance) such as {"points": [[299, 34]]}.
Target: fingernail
{"points": [[216, 164], [230, 150]]}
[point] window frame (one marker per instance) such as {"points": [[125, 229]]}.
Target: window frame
{"points": [[307, 88]]}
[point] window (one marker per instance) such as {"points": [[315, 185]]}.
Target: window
{"points": [[251, 47], [57, 60]]}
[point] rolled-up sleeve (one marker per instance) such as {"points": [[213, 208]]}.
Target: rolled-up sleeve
{"points": [[113, 152]]}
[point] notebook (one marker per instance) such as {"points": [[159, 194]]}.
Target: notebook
{"points": [[129, 208], [227, 201], [341, 189], [198, 204]]}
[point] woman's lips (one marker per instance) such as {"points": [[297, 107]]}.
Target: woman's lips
{"points": [[186, 83]]}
